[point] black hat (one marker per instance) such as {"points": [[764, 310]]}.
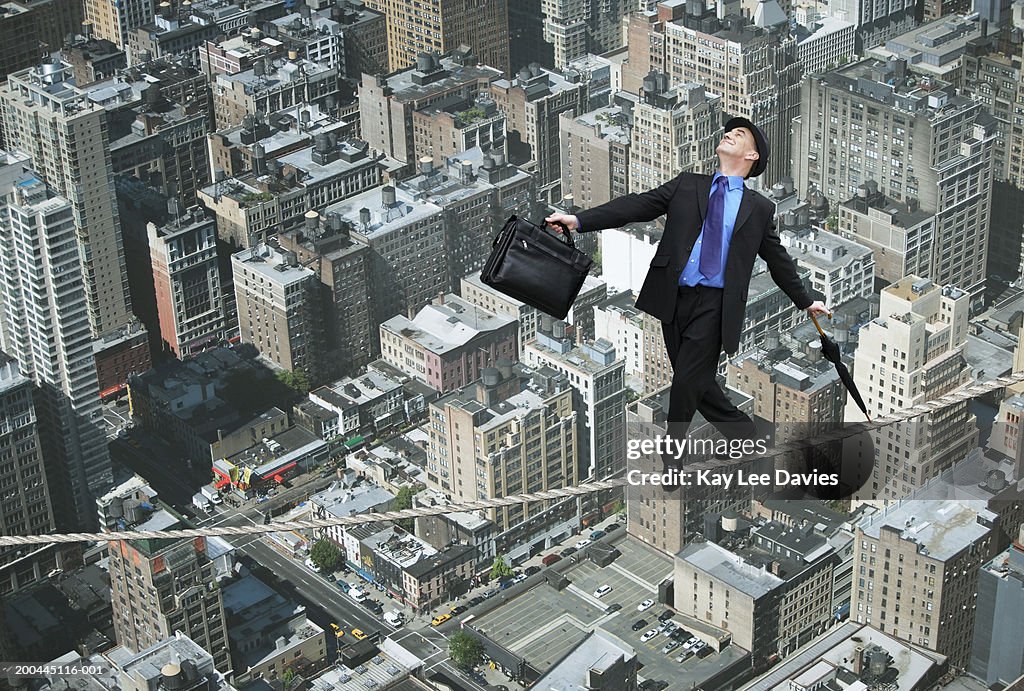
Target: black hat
{"points": [[760, 141]]}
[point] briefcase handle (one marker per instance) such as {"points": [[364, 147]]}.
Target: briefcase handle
{"points": [[566, 233]]}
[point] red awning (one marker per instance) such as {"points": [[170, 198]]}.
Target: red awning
{"points": [[278, 479], [222, 482], [281, 471], [113, 390]]}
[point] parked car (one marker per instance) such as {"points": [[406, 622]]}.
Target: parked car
{"points": [[530, 570], [670, 628], [582, 543], [645, 605], [684, 656], [670, 646], [550, 559], [438, 620], [639, 624], [520, 578], [665, 616], [597, 534], [603, 590], [343, 586], [649, 635], [612, 608], [373, 606], [680, 635], [567, 551], [490, 593], [476, 601], [611, 526], [458, 609]]}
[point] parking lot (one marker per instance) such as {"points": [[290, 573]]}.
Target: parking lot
{"points": [[543, 624]]}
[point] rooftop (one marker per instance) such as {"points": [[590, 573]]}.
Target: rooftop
{"points": [[730, 568], [838, 647], [414, 84], [941, 529], [599, 651], [273, 265], [441, 328], [338, 500], [371, 217]]}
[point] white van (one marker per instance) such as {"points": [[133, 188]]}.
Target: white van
{"points": [[356, 594], [394, 618]]}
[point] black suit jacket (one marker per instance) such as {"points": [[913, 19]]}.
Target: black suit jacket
{"points": [[684, 201]]}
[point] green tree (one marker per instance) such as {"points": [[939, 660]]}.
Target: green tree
{"points": [[288, 677], [500, 568], [297, 381], [403, 500], [465, 650], [325, 555]]}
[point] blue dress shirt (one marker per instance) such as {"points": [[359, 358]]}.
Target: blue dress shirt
{"points": [[691, 275]]}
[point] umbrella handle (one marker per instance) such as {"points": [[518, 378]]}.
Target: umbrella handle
{"points": [[816, 325]]}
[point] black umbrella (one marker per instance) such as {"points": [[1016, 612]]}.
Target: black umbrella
{"points": [[830, 349]]}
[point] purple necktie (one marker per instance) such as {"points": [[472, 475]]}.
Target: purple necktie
{"points": [[711, 245]]}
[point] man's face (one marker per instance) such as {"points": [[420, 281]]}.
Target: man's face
{"points": [[738, 143]]}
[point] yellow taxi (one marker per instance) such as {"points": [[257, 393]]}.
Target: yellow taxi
{"points": [[338, 632], [440, 619], [359, 635]]}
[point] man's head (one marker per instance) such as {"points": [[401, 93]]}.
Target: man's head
{"points": [[744, 143]]}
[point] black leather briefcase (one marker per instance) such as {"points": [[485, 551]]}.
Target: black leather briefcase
{"points": [[537, 266]]}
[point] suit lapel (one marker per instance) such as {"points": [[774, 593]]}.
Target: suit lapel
{"points": [[703, 190], [743, 213]]}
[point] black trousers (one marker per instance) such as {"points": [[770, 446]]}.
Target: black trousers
{"points": [[694, 343]]}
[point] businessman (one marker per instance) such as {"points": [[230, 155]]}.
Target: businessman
{"points": [[697, 282]]}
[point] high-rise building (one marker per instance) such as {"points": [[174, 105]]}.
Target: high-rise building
{"points": [[449, 127], [45, 329], [532, 103], [751, 63], [115, 20], [416, 27], [900, 234], [595, 154], [526, 35], [163, 586], [31, 28], [772, 596], [528, 441], [918, 139], [271, 85], [279, 310], [792, 392], [448, 343], [840, 269], [911, 353], [65, 134], [344, 264], [599, 381], [187, 281], [477, 292], [996, 654], [931, 551], [577, 27], [387, 103], [876, 23], [666, 522], [26, 495], [406, 236], [677, 129]]}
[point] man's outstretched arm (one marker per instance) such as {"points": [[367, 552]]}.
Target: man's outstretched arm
{"points": [[783, 271], [629, 208]]}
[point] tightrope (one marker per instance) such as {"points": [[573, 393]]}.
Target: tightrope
{"points": [[959, 395]]}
